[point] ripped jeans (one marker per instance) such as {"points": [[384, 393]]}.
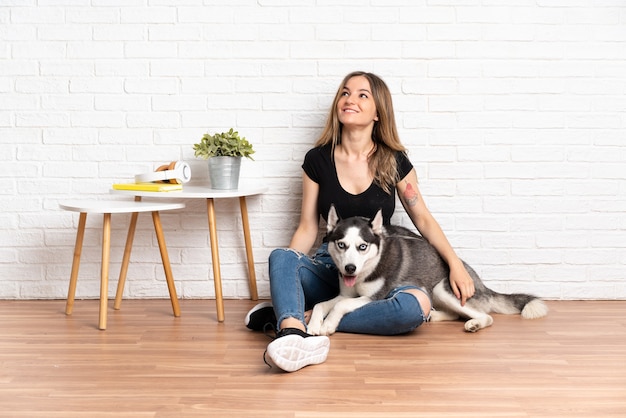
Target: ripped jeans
{"points": [[298, 282]]}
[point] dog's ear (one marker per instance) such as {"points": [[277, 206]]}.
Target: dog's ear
{"points": [[377, 222], [333, 218]]}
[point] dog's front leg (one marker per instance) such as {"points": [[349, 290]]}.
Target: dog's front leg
{"points": [[320, 311], [340, 309]]}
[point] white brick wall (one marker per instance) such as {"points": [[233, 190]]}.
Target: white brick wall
{"points": [[514, 113]]}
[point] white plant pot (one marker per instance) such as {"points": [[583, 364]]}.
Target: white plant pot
{"points": [[224, 172]]}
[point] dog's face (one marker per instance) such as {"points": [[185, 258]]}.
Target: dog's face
{"points": [[354, 244]]}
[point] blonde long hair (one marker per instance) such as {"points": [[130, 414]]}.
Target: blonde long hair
{"points": [[382, 160]]}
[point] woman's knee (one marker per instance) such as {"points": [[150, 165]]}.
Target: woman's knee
{"points": [[422, 298], [276, 254], [413, 312], [281, 254]]}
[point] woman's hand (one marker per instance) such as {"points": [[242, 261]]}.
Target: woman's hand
{"points": [[461, 283]]}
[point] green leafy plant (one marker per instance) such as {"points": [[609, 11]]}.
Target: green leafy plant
{"points": [[224, 144]]}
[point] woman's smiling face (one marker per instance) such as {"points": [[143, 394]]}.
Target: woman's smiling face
{"points": [[356, 105]]}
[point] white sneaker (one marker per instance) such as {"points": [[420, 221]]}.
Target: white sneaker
{"points": [[294, 349]]}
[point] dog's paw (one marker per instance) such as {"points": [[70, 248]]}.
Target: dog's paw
{"points": [[472, 325], [480, 322], [315, 324], [313, 330], [328, 328], [330, 323]]}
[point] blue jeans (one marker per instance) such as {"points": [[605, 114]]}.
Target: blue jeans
{"points": [[298, 282]]}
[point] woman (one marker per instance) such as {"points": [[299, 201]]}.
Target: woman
{"points": [[357, 164]]}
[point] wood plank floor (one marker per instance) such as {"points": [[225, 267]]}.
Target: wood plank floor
{"points": [[150, 364]]}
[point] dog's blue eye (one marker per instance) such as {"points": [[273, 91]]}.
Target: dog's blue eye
{"points": [[362, 247], [340, 245]]}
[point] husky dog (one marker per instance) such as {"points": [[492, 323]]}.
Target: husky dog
{"points": [[374, 259]]}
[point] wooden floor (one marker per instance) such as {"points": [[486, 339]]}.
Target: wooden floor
{"points": [[150, 364]]}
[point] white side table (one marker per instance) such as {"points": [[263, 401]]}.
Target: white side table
{"points": [[107, 207], [198, 192]]}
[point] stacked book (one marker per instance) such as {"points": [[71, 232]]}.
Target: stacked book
{"points": [[149, 187]]}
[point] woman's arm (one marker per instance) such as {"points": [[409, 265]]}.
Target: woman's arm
{"points": [[308, 228], [460, 281]]}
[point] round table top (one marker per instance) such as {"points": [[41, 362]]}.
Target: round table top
{"points": [[117, 206], [195, 192]]}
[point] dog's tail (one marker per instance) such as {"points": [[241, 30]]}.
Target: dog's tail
{"points": [[534, 309], [530, 307]]}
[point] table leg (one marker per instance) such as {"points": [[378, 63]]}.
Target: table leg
{"points": [[104, 277], [125, 260], [166, 262], [254, 295], [215, 256], [78, 248]]}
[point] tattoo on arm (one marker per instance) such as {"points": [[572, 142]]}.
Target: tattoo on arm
{"points": [[410, 195]]}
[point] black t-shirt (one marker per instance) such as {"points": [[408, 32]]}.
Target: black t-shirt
{"points": [[320, 167]]}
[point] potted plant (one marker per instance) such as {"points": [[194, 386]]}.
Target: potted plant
{"points": [[224, 152]]}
